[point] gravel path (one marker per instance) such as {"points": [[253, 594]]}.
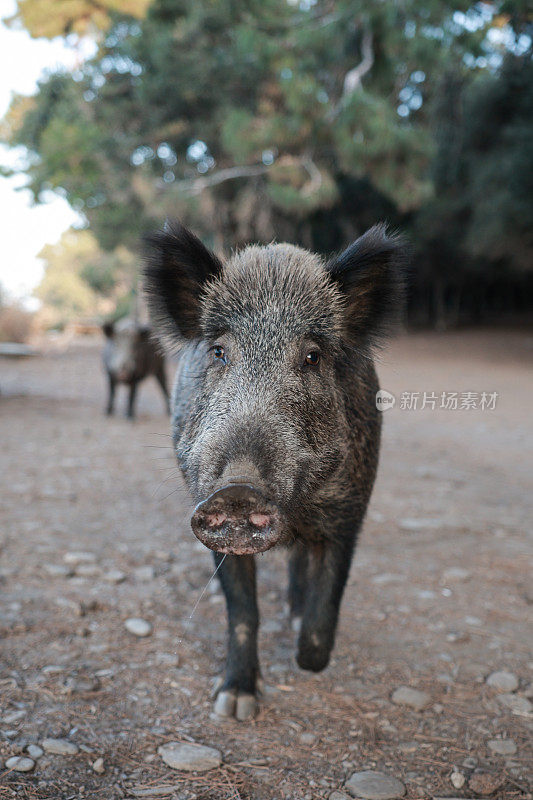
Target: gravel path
{"points": [[100, 667]]}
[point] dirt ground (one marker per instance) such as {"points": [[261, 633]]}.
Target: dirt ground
{"points": [[440, 595]]}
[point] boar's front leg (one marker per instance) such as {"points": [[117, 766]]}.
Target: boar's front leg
{"points": [[111, 395], [237, 693], [130, 413], [329, 564], [298, 565]]}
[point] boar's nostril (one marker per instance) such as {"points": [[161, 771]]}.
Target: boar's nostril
{"points": [[259, 520]]}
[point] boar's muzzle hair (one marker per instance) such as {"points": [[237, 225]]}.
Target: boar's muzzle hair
{"points": [[177, 265]]}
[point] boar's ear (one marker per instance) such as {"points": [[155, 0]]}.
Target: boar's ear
{"points": [[370, 274], [177, 265], [108, 329]]}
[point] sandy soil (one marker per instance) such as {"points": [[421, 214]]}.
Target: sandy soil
{"points": [[440, 595]]}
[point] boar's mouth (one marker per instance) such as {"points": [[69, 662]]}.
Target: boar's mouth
{"points": [[239, 520]]}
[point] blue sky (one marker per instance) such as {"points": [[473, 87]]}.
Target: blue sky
{"points": [[26, 228]]}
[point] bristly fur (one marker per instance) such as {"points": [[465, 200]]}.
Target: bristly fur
{"points": [[370, 273], [248, 401], [265, 288], [177, 265]]}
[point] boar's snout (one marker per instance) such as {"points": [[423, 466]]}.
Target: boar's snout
{"points": [[238, 519]]}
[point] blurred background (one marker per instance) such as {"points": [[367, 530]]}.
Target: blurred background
{"points": [[251, 121]]}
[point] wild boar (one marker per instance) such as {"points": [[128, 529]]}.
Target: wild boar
{"points": [[274, 421], [130, 355]]}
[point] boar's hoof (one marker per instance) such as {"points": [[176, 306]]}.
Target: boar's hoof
{"points": [[238, 519], [232, 703], [312, 656]]}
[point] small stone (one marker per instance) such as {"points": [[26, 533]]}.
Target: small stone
{"points": [[374, 786], [60, 747], [78, 557], [167, 659], [517, 704], [35, 751], [336, 795], [115, 576], [13, 716], [145, 573], [503, 681], [159, 790], [190, 757], [52, 669], [408, 747], [307, 738], [455, 574], [413, 698], [81, 685], [57, 570], [98, 766], [458, 780], [484, 783], [137, 626], [20, 763], [503, 747], [470, 762], [414, 524], [87, 570]]}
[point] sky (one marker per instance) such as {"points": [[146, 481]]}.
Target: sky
{"points": [[25, 229]]}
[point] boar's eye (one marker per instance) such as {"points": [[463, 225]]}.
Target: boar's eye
{"points": [[219, 353], [312, 359]]}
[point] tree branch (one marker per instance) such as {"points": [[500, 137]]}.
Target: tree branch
{"points": [[197, 186], [353, 78]]}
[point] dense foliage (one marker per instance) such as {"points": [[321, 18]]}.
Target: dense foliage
{"points": [[273, 119]]}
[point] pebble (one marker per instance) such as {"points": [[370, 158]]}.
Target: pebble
{"points": [[503, 681], [98, 766], [160, 790], [137, 626], [414, 524], [167, 659], [60, 747], [78, 557], [57, 570], [307, 738], [503, 747], [115, 576], [35, 751], [145, 573], [458, 780], [413, 698], [20, 763], [87, 570], [517, 704], [336, 795], [190, 757], [374, 786], [456, 574], [408, 747], [484, 783], [13, 716]]}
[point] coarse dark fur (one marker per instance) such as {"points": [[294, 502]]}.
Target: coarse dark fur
{"points": [[309, 434], [130, 355]]}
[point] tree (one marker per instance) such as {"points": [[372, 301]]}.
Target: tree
{"points": [[80, 280], [201, 105], [277, 119]]}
